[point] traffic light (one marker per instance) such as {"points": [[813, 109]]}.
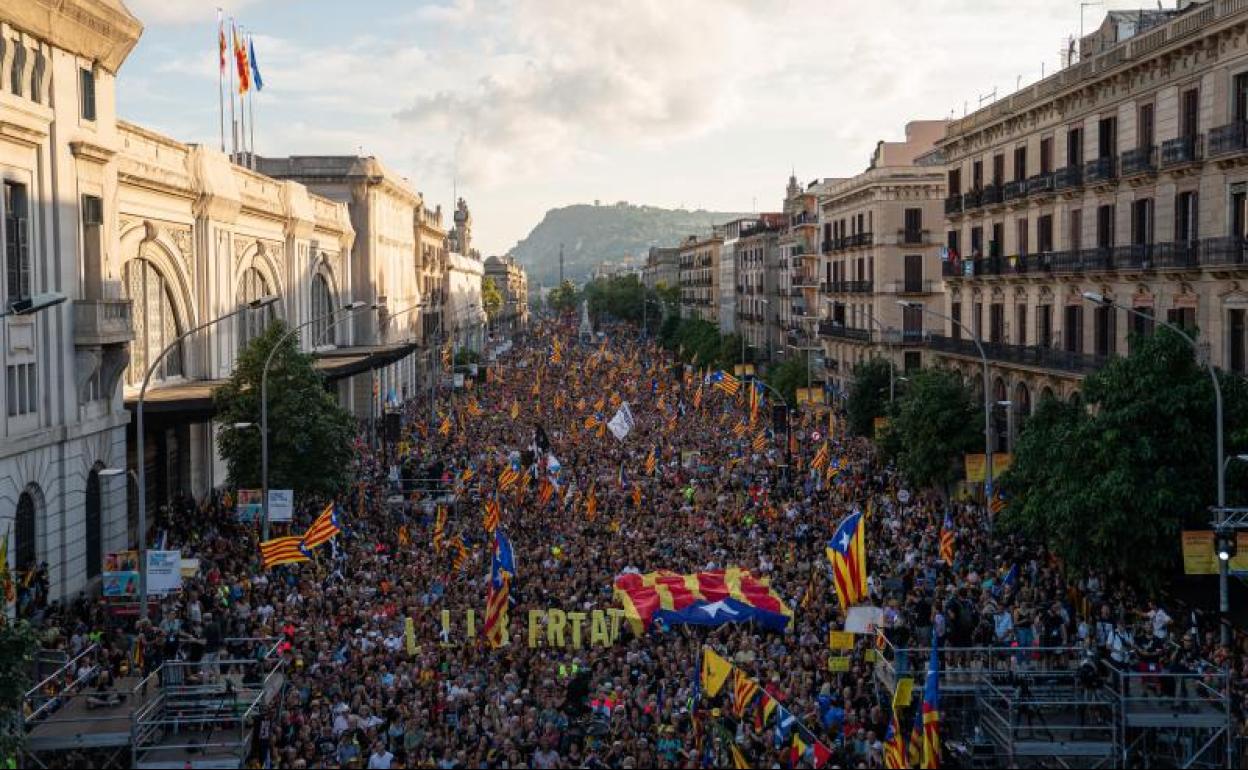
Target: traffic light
{"points": [[1225, 545]]}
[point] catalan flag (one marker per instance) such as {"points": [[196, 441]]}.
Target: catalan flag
{"points": [[715, 671], [509, 477], [439, 528], [445, 428], [637, 495], [600, 405], [946, 539], [556, 356], [848, 553], [323, 529], [931, 710], [725, 382], [744, 690], [502, 570], [282, 550], [894, 746], [739, 430], [821, 458], [545, 491], [404, 538], [739, 762], [914, 749], [446, 355], [461, 552], [760, 441], [493, 514], [515, 409], [997, 502], [591, 422], [591, 503], [138, 656], [652, 461], [240, 59], [732, 595]]}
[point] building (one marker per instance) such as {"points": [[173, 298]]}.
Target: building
{"points": [[463, 315], [431, 245], [662, 267], [797, 273], [513, 284], [699, 277], [758, 254], [150, 239], [386, 261], [880, 246], [1124, 175], [726, 295]]}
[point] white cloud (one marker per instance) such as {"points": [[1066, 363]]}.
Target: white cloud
{"points": [[182, 11]]}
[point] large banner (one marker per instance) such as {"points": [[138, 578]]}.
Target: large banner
{"points": [[1199, 558], [282, 505], [164, 572], [975, 465], [622, 423], [250, 505], [120, 576]]}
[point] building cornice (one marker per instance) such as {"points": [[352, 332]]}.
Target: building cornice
{"points": [[100, 30]]}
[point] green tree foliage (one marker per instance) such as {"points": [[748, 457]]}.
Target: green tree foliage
{"points": [[669, 296], [698, 342], [1112, 483], [788, 377], [563, 298], [17, 651], [935, 423], [309, 434], [619, 296], [491, 297], [868, 396]]}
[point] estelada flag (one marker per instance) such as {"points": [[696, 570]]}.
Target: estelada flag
{"points": [[713, 598], [282, 550]]}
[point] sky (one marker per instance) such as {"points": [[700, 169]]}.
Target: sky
{"points": [[521, 106]]}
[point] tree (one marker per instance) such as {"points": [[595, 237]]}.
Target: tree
{"points": [[868, 396], [563, 298], [491, 298], [17, 652], [787, 378], [309, 434], [935, 423], [1112, 483]]}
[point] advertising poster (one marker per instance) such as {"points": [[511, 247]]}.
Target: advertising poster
{"points": [[164, 572]]}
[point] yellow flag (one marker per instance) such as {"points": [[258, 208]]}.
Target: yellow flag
{"points": [[738, 758], [715, 671], [515, 409]]}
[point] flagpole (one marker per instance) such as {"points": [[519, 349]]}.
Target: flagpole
{"points": [[221, 77], [233, 121], [242, 108], [251, 116]]}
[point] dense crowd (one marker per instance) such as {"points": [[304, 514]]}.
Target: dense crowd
{"points": [[357, 696]]}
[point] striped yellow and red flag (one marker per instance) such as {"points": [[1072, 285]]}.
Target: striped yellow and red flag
{"points": [[821, 458], [493, 514], [744, 690], [323, 529], [760, 441], [591, 504], [496, 612], [439, 528], [637, 495], [282, 550]]}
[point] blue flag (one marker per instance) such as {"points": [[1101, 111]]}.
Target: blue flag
{"points": [[256, 80]]}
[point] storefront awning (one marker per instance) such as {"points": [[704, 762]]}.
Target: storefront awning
{"points": [[346, 362]]}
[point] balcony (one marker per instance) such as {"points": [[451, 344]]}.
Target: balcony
{"points": [[840, 331], [850, 287], [1022, 355], [914, 287], [912, 237], [972, 199], [805, 218], [1231, 139], [953, 204], [1223, 252], [1068, 178], [1041, 184], [1016, 190], [1100, 171], [99, 322], [860, 239], [828, 246], [1139, 161], [992, 195], [1183, 151], [801, 281]]}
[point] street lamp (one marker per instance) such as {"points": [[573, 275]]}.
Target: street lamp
{"points": [[264, 409], [33, 304], [987, 399], [140, 456], [1224, 599]]}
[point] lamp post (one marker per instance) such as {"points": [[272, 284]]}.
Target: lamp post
{"points": [[1224, 598], [33, 304], [987, 399], [140, 457]]}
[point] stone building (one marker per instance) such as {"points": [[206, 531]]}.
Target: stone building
{"points": [[662, 267], [879, 246], [699, 277], [1124, 175], [513, 284], [757, 253], [797, 271]]}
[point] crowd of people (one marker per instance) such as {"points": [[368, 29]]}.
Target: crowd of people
{"points": [[359, 692]]}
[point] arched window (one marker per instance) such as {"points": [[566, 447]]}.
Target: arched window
{"points": [[1046, 393], [323, 331], [156, 323], [24, 548], [1076, 399], [252, 323], [95, 525]]}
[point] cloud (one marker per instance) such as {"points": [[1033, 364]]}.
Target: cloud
{"points": [[182, 11]]}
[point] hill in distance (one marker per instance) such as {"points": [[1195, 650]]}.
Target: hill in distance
{"points": [[592, 234]]}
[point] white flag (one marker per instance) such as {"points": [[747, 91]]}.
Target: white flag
{"points": [[622, 423]]}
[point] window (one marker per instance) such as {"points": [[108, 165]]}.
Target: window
{"points": [[323, 332], [996, 323], [912, 322], [913, 361], [1044, 326], [1236, 338], [1183, 317], [1107, 137], [1020, 228], [1020, 324], [914, 225], [1146, 127], [1105, 330], [1241, 97], [997, 245], [1020, 163], [952, 239], [1044, 234], [1142, 321], [1185, 221], [252, 322], [955, 312], [1046, 155], [914, 273], [1189, 113], [94, 522], [16, 244], [156, 323], [1073, 331], [1142, 221], [36, 77], [17, 68], [22, 389], [1076, 230], [955, 182], [86, 81], [24, 547], [998, 170], [977, 242], [977, 323], [977, 175], [1074, 147], [1105, 226]]}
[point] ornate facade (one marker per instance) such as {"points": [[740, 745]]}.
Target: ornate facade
{"points": [[513, 284], [699, 277]]}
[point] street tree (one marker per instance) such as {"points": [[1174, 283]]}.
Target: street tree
{"points": [[491, 298], [868, 396], [787, 377], [1110, 483], [563, 298], [934, 424], [309, 434], [18, 644]]}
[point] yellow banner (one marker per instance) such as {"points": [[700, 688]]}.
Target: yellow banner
{"points": [[840, 640], [409, 635], [743, 370], [811, 396], [904, 693], [1199, 558], [975, 465], [838, 664]]}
